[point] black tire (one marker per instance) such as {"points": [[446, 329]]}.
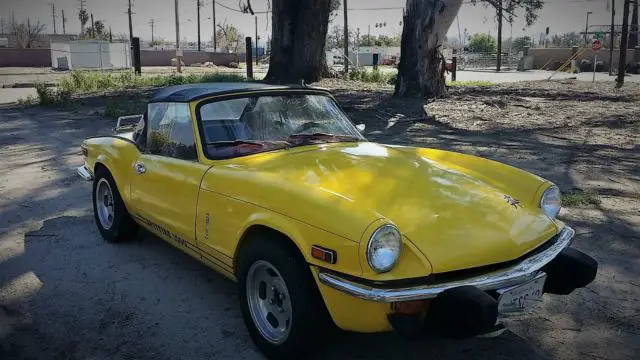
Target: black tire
{"points": [[311, 323], [123, 227]]}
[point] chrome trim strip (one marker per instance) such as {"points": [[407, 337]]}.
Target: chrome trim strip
{"points": [[84, 173], [516, 274]]}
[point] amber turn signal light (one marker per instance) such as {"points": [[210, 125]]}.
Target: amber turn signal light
{"points": [[323, 254]]}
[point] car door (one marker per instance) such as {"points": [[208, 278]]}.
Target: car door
{"points": [[166, 177]]}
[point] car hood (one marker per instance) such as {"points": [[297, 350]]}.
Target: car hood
{"points": [[460, 211]]}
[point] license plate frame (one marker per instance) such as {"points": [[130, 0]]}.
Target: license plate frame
{"points": [[517, 298]]}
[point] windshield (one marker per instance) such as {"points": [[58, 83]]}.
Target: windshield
{"points": [[242, 126]]}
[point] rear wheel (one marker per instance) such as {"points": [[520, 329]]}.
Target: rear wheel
{"points": [[280, 301], [111, 215]]}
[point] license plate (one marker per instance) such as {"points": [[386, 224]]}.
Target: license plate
{"points": [[517, 298]]}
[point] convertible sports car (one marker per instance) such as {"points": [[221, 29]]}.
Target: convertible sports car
{"points": [[276, 189]]}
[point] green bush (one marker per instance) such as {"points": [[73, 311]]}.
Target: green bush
{"points": [[374, 76], [89, 81], [49, 96]]}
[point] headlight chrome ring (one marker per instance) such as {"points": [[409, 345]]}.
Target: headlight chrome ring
{"points": [[384, 247], [551, 202]]}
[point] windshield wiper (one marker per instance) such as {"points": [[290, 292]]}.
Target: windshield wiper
{"points": [[229, 143], [234, 143], [322, 136]]}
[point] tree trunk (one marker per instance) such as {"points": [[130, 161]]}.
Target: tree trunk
{"points": [[421, 71], [633, 33], [299, 30]]}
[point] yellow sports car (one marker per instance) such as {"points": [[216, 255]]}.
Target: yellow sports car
{"points": [[276, 189]]}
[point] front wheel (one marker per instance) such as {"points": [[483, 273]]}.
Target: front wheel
{"points": [[281, 304], [111, 215]]}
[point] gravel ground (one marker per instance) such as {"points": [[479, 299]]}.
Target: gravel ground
{"points": [[65, 294]]}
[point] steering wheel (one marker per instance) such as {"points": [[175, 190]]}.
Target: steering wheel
{"points": [[311, 125]]}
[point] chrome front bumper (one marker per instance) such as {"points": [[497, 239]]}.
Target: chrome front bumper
{"points": [[84, 173], [516, 274]]}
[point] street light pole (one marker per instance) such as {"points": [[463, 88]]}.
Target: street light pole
{"points": [[586, 28], [178, 50], [215, 41], [346, 41], [199, 42]]}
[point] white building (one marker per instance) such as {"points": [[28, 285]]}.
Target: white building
{"points": [[90, 54]]}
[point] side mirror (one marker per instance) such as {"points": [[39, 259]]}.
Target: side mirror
{"points": [[127, 123], [361, 127]]}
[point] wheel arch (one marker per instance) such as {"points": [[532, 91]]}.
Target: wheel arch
{"points": [[122, 189], [253, 232]]}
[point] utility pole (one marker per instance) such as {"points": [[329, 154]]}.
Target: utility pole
{"points": [[2, 24], [64, 23], [153, 25], [612, 36], [53, 15], [622, 63], [369, 39], [215, 40], [499, 57], [178, 50], [199, 5], [130, 24], [346, 41], [93, 27], [586, 28], [256, 17]]}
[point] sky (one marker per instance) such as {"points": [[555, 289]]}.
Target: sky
{"points": [[559, 15]]}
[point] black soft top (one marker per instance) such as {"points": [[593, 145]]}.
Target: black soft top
{"points": [[191, 92]]}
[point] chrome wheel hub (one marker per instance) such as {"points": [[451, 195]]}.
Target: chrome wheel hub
{"points": [[104, 204], [269, 302]]}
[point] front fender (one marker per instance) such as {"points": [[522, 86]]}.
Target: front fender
{"points": [[223, 222]]}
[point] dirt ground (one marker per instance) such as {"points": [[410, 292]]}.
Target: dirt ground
{"points": [[65, 294]]}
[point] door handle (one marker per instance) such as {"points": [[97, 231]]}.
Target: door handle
{"points": [[140, 168]]}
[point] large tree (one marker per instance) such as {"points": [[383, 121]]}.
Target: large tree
{"points": [[228, 37], [507, 8], [299, 30], [426, 22], [26, 34], [83, 16], [633, 33], [422, 66]]}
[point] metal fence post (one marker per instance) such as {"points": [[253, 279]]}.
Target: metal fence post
{"points": [[136, 56], [454, 66], [100, 54], [249, 58]]}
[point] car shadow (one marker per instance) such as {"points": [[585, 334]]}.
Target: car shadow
{"points": [[393, 346]]}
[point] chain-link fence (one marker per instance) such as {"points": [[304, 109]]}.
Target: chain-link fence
{"points": [[487, 61]]}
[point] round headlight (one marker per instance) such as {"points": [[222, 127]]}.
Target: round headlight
{"points": [[551, 202], [384, 248]]}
